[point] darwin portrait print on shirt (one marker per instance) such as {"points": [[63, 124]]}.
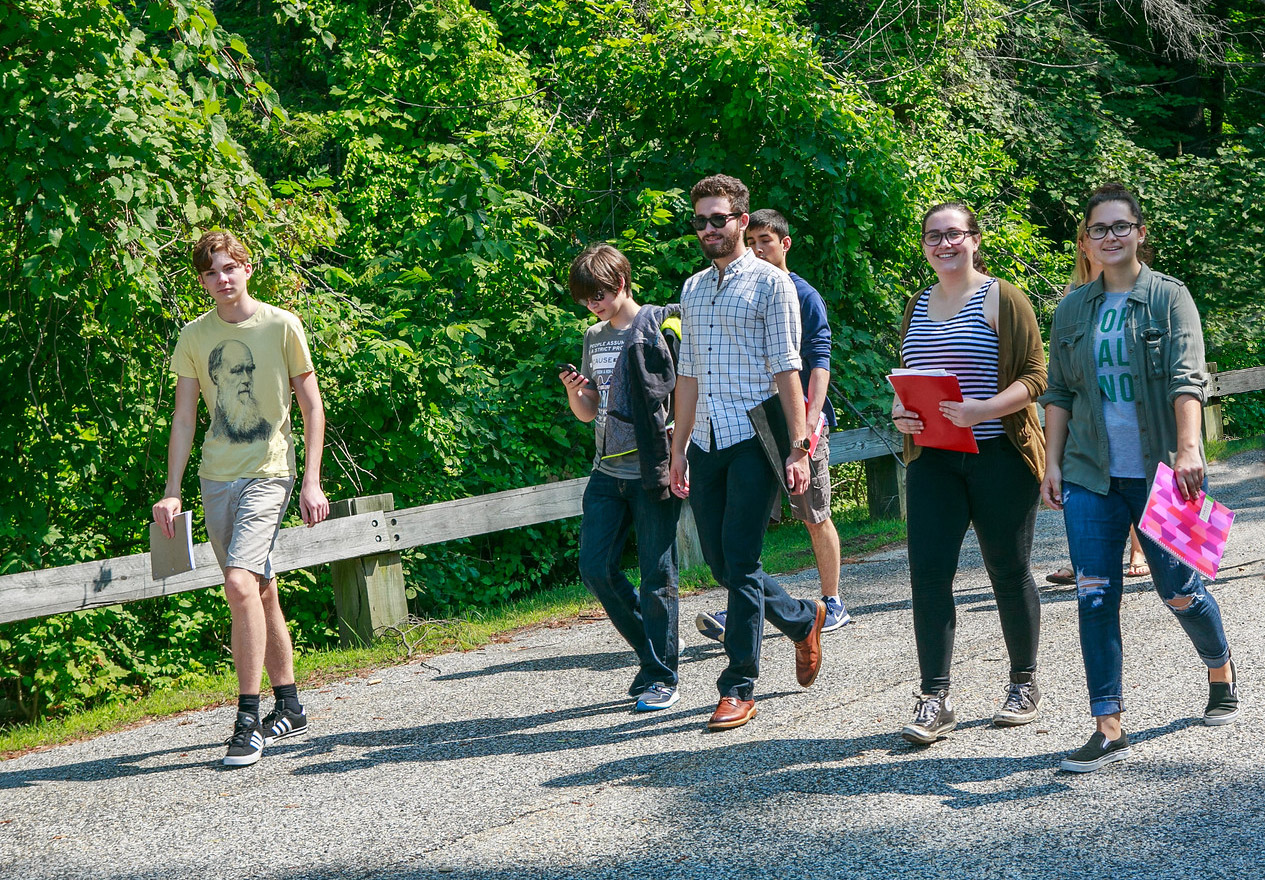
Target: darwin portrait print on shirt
{"points": [[231, 367], [244, 372]]}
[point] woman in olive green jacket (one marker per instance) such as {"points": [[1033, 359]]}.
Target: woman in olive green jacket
{"points": [[1127, 384]]}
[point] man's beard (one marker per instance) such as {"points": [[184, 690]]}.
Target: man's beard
{"points": [[724, 247], [240, 420]]}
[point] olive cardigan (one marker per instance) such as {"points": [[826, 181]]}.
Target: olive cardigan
{"points": [[1020, 358]]}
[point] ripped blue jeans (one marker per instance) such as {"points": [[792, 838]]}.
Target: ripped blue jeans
{"points": [[1097, 528]]}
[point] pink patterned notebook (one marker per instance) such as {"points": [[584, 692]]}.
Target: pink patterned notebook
{"points": [[1193, 531]]}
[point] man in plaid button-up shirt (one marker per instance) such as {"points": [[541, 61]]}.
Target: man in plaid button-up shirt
{"points": [[739, 346]]}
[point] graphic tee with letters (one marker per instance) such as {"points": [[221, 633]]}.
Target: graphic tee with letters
{"points": [[244, 372], [603, 344], [1119, 394]]}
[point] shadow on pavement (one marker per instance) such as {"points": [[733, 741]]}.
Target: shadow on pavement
{"points": [[770, 769], [503, 736]]}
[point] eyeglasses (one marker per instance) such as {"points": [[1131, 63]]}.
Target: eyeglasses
{"points": [[595, 298], [952, 236], [717, 221], [1119, 229]]}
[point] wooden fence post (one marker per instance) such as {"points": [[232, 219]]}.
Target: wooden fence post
{"points": [[885, 487], [369, 591], [689, 553], [1214, 426]]}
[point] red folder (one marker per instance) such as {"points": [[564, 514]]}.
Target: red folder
{"points": [[922, 391], [815, 430]]}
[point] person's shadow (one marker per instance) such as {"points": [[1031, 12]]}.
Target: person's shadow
{"points": [[773, 769], [783, 765]]}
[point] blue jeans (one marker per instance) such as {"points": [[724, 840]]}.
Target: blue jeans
{"points": [[1097, 528], [647, 621], [731, 493]]}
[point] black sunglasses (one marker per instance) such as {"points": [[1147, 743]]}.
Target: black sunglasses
{"points": [[717, 221]]}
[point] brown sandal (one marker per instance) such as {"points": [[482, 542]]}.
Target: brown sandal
{"points": [[1064, 576]]}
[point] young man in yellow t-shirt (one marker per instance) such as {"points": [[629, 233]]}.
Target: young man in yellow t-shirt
{"points": [[244, 357]]}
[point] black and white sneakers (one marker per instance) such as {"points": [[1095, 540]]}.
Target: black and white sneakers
{"points": [[1098, 752], [1021, 706], [1223, 700], [246, 745], [933, 718], [281, 723]]}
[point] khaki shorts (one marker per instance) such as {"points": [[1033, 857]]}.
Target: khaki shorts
{"points": [[814, 505], [243, 518]]}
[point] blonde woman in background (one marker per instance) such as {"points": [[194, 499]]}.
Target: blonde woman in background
{"points": [[1085, 271]]}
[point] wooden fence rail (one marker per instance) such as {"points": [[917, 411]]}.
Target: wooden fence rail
{"points": [[344, 536], [364, 541]]}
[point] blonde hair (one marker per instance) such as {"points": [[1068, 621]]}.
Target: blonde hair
{"points": [[1080, 272]]}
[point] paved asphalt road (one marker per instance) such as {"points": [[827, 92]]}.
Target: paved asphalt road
{"points": [[524, 760]]}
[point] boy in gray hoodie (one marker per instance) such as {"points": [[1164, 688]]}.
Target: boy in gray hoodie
{"points": [[623, 385]]}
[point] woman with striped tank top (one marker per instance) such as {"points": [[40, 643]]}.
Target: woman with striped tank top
{"points": [[984, 331]]}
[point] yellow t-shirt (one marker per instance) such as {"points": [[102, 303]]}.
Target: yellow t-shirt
{"points": [[244, 371]]}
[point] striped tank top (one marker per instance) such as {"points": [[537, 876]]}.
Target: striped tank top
{"points": [[964, 345]]}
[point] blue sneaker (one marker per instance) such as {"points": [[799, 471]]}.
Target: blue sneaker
{"points": [[657, 696], [712, 626], [837, 616]]}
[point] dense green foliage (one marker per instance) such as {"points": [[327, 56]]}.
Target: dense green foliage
{"points": [[414, 177]]}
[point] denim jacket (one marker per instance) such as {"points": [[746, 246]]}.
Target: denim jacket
{"points": [[1165, 346]]}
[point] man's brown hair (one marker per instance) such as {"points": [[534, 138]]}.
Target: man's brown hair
{"points": [[598, 269], [212, 243], [723, 185]]}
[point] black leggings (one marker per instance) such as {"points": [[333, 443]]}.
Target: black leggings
{"points": [[996, 493]]}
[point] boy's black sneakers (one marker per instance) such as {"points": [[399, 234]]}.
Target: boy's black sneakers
{"points": [[1098, 752], [281, 723], [246, 745]]}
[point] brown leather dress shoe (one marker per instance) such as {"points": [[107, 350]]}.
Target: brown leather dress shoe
{"points": [[731, 712], [808, 651]]}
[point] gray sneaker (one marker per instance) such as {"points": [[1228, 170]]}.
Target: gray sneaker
{"points": [[837, 617], [1021, 706], [933, 718], [712, 626], [657, 696]]}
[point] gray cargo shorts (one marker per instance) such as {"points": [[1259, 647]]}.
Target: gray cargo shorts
{"points": [[243, 518], [814, 505]]}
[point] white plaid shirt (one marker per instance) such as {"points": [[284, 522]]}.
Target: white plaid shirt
{"points": [[734, 337]]}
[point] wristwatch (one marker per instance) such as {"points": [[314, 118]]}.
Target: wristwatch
{"points": [[806, 444]]}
